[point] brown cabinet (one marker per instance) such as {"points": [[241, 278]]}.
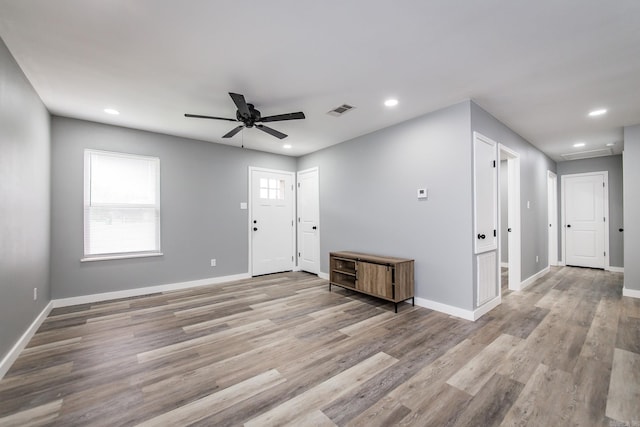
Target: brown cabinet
{"points": [[384, 277]]}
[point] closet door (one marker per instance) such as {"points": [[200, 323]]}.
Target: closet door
{"points": [[485, 198], [485, 194]]}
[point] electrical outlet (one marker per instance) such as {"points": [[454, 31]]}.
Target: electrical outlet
{"points": [[213, 262], [35, 294]]}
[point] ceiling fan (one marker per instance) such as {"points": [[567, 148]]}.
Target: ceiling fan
{"points": [[250, 117]]}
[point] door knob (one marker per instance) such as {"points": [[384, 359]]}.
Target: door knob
{"points": [[314, 227], [481, 236], [255, 221], [568, 225], [621, 229], [509, 229], [255, 228]]}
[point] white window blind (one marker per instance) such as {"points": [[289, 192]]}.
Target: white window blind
{"points": [[121, 205]]}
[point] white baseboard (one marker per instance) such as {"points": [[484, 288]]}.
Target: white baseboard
{"points": [[560, 264], [445, 308], [633, 293], [324, 276], [533, 278], [87, 299], [486, 307], [615, 269], [13, 354]]}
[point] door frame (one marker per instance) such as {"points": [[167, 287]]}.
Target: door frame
{"points": [[250, 212], [552, 217], [513, 217], [605, 209], [298, 228]]}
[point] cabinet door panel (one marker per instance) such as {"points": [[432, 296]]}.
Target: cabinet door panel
{"points": [[375, 279]]}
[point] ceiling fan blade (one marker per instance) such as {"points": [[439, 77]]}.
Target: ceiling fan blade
{"points": [[281, 117], [241, 104], [273, 132], [197, 116], [232, 132]]}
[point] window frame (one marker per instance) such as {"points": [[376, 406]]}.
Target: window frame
{"points": [[87, 205]]}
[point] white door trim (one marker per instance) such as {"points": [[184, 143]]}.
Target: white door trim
{"points": [[552, 217], [513, 196], [605, 210], [298, 229], [250, 210]]}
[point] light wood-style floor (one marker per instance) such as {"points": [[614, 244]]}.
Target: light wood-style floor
{"points": [[282, 350]]}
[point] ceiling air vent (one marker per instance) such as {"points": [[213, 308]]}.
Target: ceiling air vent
{"points": [[588, 154], [338, 111]]}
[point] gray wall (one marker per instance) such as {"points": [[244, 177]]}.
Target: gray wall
{"points": [[631, 176], [533, 188], [368, 200], [613, 165], [201, 184], [25, 161]]}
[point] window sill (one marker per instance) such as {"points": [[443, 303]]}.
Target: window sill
{"points": [[127, 256]]}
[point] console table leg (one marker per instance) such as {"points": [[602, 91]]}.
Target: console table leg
{"points": [[413, 301], [396, 304], [329, 286]]}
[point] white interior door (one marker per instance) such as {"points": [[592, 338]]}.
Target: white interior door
{"points": [[552, 216], [271, 221], [584, 219], [485, 198], [308, 221], [485, 194]]}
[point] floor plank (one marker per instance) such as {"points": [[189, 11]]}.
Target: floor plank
{"points": [[623, 401]]}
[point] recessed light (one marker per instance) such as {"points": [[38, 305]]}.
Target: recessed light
{"points": [[111, 111], [579, 144], [391, 102], [286, 146], [599, 112]]}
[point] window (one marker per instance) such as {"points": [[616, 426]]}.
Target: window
{"points": [[121, 205], [271, 189]]}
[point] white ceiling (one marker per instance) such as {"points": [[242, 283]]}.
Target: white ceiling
{"points": [[538, 66]]}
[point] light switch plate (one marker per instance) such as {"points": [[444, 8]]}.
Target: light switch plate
{"points": [[423, 194], [243, 205]]}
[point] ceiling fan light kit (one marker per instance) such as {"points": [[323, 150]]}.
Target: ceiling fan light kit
{"points": [[250, 117]]}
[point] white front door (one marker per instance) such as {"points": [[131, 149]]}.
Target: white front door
{"points": [[584, 219], [308, 221], [271, 221]]}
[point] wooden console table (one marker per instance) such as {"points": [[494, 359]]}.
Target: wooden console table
{"points": [[384, 277]]}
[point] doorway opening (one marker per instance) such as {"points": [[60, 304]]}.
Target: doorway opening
{"points": [[509, 219]]}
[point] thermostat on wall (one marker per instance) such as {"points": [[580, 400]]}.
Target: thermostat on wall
{"points": [[423, 194]]}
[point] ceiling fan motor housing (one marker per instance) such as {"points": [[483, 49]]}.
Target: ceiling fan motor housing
{"points": [[250, 120]]}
